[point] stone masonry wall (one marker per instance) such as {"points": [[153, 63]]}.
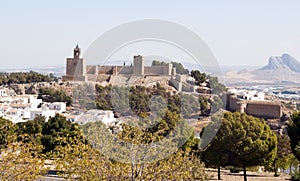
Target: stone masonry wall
{"points": [[264, 110], [155, 70]]}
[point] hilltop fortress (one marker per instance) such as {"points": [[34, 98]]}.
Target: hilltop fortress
{"points": [[77, 70], [135, 74], [139, 74]]}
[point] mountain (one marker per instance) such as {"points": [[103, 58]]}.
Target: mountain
{"points": [[283, 69], [285, 62]]}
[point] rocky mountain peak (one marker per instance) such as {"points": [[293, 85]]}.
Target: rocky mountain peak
{"points": [[284, 62]]}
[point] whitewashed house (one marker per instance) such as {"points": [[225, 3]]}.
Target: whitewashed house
{"points": [[59, 107]]}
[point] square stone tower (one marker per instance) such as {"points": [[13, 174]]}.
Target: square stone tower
{"points": [[76, 67], [138, 65]]}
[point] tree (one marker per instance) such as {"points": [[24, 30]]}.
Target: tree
{"points": [[20, 161], [294, 134], [7, 132], [283, 153], [31, 131], [83, 162], [23, 77], [216, 104], [198, 76], [52, 95], [241, 141], [60, 132], [179, 67], [215, 85]]}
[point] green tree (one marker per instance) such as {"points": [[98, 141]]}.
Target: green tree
{"points": [[179, 67], [53, 95], [204, 105], [7, 132], [242, 141], [294, 134], [31, 131], [283, 153], [216, 104], [215, 85], [198, 76], [23, 77], [60, 132], [104, 97]]}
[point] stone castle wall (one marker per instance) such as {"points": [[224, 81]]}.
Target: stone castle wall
{"points": [[77, 70], [168, 69], [105, 69], [114, 70], [176, 84], [91, 69], [126, 70], [155, 70], [180, 83], [103, 77], [264, 109], [91, 77], [234, 103]]}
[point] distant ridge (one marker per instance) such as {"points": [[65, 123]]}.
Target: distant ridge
{"points": [[58, 70], [285, 62]]}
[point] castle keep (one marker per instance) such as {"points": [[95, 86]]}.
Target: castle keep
{"points": [[77, 70]]}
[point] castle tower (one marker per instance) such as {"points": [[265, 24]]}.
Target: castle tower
{"points": [[76, 67], [167, 69], [138, 65]]}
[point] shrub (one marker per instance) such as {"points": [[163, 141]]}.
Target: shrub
{"points": [[295, 176], [234, 169]]}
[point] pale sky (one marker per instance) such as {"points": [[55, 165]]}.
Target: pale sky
{"points": [[43, 33]]}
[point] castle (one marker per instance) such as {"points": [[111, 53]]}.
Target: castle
{"points": [[258, 108], [77, 70]]}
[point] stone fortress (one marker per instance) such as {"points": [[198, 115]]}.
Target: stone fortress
{"points": [[77, 70], [254, 105], [139, 74], [136, 74]]}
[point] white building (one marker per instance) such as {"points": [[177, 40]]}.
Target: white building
{"points": [[16, 115], [42, 112], [3, 92], [107, 117], [248, 94], [20, 108], [59, 107]]}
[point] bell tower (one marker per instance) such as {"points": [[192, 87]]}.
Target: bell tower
{"points": [[77, 52], [76, 67]]}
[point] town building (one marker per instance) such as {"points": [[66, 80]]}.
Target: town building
{"points": [[248, 94], [3, 92], [105, 116], [20, 108]]}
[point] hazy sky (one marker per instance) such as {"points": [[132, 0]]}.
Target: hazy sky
{"points": [[43, 33]]}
